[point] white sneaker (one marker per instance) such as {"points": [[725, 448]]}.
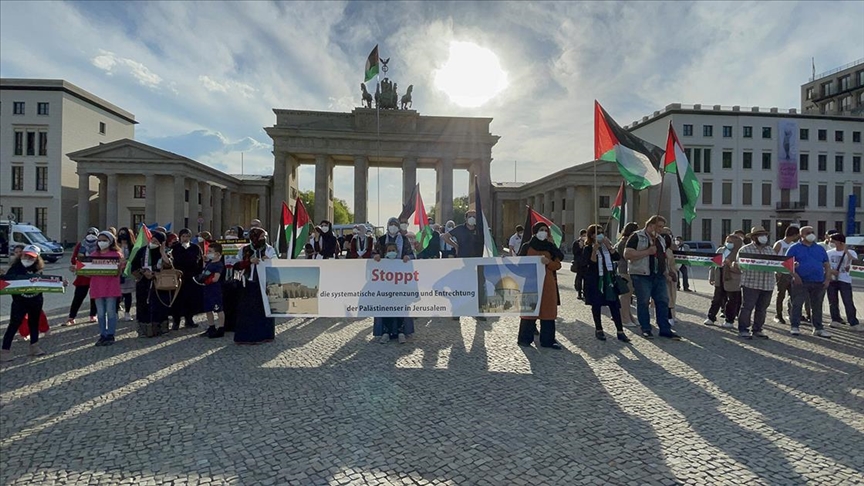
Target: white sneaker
{"points": [[837, 324], [794, 331], [384, 339], [727, 325], [822, 333], [401, 338], [708, 322], [129, 316]]}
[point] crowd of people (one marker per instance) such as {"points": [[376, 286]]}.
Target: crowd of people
{"points": [[178, 276]]}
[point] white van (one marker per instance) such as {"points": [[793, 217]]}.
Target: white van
{"points": [[12, 233]]}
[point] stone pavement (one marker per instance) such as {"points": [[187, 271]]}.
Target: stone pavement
{"points": [[459, 404]]}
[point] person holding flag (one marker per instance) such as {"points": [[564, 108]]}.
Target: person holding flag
{"points": [[756, 287], [599, 271]]}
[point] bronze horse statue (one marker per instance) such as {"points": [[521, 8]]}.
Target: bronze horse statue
{"points": [[366, 98], [406, 98]]}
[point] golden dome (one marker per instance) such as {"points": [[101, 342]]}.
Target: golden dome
{"points": [[507, 283]]}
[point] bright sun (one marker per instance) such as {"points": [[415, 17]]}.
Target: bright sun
{"points": [[472, 76]]}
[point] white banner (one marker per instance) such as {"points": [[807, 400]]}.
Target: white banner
{"points": [[393, 288]]}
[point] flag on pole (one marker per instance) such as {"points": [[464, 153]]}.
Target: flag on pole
{"points": [[409, 207], [421, 220], [638, 161], [300, 226], [141, 241], [619, 209], [284, 223], [675, 162], [534, 217], [489, 249], [372, 65]]}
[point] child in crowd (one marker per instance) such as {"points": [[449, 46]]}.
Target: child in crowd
{"points": [[210, 279], [387, 328]]}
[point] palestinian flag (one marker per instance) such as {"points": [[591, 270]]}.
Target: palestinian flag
{"points": [[619, 209], [766, 263], [638, 161], [284, 223], [424, 231], [141, 241], [301, 226], [675, 162], [857, 270], [96, 266], [409, 207], [31, 284], [534, 217], [698, 259], [489, 249], [372, 63]]}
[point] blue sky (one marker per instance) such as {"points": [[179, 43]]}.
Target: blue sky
{"points": [[202, 78]]}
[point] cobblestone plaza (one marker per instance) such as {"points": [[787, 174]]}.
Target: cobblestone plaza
{"points": [[458, 404]]}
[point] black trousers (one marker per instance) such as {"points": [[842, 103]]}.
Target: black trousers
{"points": [[527, 328], [78, 299], [23, 306]]}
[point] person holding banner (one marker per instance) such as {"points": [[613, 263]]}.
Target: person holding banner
{"points": [[447, 250], [361, 244], [841, 258], [784, 280], [550, 257], [254, 327], [105, 289], [756, 287], [86, 247], [726, 280], [24, 304], [599, 273], [392, 245]]}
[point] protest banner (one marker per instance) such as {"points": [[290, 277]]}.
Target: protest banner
{"points": [[97, 266], [697, 259], [857, 270], [231, 250], [766, 263], [31, 284], [391, 288]]}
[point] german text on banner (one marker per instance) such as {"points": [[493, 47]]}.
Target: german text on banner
{"points": [[97, 266], [392, 288], [31, 284]]}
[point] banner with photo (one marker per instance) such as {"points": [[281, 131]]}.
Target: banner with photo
{"points": [[392, 288], [787, 154], [31, 284]]}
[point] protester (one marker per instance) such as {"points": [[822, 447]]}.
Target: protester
{"points": [[741, 234], [126, 240], [187, 258], [726, 280], [515, 243], [29, 305], [170, 240], [672, 275], [105, 289], [647, 264], [466, 238], [578, 246], [826, 243], [210, 279], [447, 250], [361, 244], [326, 246], [599, 273], [17, 250], [840, 259], [433, 247], [230, 285], [85, 248], [809, 281], [784, 280], [551, 257], [254, 327], [623, 272], [756, 287], [309, 251], [151, 306], [400, 327], [684, 268]]}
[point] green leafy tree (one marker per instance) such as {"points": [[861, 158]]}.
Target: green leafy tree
{"points": [[341, 213], [460, 207]]}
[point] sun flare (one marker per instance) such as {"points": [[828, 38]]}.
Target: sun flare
{"points": [[472, 76]]}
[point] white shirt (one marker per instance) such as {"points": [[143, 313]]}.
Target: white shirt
{"points": [[834, 260], [515, 243], [784, 246]]}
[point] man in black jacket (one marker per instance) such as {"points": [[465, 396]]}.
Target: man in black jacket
{"points": [[577, 260]]}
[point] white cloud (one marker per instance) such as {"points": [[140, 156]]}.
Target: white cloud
{"points": [[212, 85], [108, 62]]}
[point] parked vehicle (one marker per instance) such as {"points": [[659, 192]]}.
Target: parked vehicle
{"points": [[707, 247], [27, 234]]}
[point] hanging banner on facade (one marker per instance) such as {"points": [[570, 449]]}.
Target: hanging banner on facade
{"points": [[97, 266], [787, 154], [393, 288], [31, 284]]}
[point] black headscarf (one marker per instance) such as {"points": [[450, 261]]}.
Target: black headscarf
{"points": [[541, 245]]}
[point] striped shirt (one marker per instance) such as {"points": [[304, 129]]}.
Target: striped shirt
{"points": [[753, 279]]}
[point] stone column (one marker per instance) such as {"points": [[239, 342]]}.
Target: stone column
{"points": [[361, 188], [531, 201], [279, 189], [179, 203], [217, 225], [585, 214], [323, 188], [194, 209], [444, 206], [150, 199], [484, 181], [409, 177], [207, 207], [500, 233], [83, 204], [570, 233], [103, 201], [111, 209], [238, 214], [264, 212], [541, 204]]}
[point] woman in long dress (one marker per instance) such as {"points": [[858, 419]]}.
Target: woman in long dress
{"points": [[599, 257], [551, 258], [188, 259], [253, 326]]}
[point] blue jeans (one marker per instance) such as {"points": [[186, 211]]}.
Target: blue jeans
{"points": [[652, 287], [106, 314]]}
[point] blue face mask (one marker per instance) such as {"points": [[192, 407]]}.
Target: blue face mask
{"points": [[391, 255]]}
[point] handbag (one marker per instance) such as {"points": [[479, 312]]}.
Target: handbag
{"points": [[620, 285], [168, 279]]}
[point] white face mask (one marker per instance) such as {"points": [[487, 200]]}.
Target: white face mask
{"points": [[392, 229], [811, 237], [325, 228], [356, 232], [211, 256], [153, 246], [403, 226], [762, 239], [471, 220], [103, 245], [600, 238], [27, 263], [449, 228], [391, 255], [90, 238], [541, 235], [730, 246]]}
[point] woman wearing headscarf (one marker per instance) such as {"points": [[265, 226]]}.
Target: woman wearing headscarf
{"points": [[326, 246], [362, 244], [85, 248], [126, 240], [599, 271], [188, 259], [254, 327], [151, 306], [550, 257]]}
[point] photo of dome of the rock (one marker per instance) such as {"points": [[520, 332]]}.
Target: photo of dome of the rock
{"points": [[506, 287]]}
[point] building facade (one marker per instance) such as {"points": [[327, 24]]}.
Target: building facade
{"points": [[839, 92], [41, 121]]}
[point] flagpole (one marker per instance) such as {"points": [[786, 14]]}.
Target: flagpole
{"points": [[596, 205]]}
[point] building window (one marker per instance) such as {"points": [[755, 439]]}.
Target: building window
{"points": [[820, 229], [19, 143], [766, 132], [18, 178], [727, 131], [838, 196], [138, 218], [707, 130], [856, 137], [42, 108], [856, 191], [725, 227], [199, 201], [838, 135], [747, 160], [822, 196], [688, 130], [766, 160], [766, 195], [18, 108], [856, 164], [822, 135], [860, 75], [830, 107], [706, 166], [706, 230], [707, 189], [17, 213], [727, 160], [746, 193], [102, 128], [828, 88], [41, 178], [43, 143], [845, 82], [604, 202], [727, 193], [846, 103], [823, 162], [31, 143], [748, 132], [809, 93], [686, 230], [838, 163], [766, 223], [140, 191], [42, 219], [802, 223], [804, 161], [746, 225], [186, 197], [804, 195], [804, 134]]}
